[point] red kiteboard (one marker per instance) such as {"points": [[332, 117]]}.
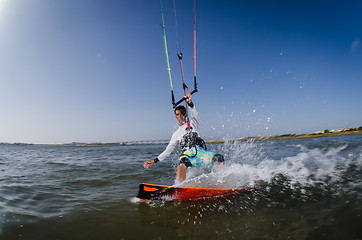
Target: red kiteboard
{"points": [[148, 192]]}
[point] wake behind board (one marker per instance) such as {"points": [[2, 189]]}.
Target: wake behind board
{"points": [[148, 192]]}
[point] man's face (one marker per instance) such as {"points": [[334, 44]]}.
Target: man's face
{"points": [[180, 117]]}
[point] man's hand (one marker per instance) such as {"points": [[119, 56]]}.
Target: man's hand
{"points": [[148, 164], [188, 98]]}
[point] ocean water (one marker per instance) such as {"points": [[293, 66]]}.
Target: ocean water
{"points": [[305, 189]]}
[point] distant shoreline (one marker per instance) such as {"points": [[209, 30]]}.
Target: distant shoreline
{"points": [[355, 131], [290, 136]]}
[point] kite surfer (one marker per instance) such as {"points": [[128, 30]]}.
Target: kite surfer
{"points": [[193, 147]]}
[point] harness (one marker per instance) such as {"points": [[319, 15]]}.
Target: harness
{"points": [[192, 139]]}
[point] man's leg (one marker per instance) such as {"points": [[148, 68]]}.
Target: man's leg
{"points": [[181, 173], [219, 160]]}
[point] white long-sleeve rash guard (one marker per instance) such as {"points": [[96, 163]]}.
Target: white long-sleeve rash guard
{"points": [[180, 132]]}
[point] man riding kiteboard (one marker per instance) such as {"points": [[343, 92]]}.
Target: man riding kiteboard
{"points": [[193, 148]]}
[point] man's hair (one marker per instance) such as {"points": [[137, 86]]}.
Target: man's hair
{"points": [[181, 108]]}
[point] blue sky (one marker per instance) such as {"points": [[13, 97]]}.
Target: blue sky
{"points": [[95, 71]]}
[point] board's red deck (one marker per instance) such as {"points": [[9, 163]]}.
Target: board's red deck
{"points": [[149, 192]]}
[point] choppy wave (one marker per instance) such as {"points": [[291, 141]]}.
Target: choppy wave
{"points": [[328, 166]]}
